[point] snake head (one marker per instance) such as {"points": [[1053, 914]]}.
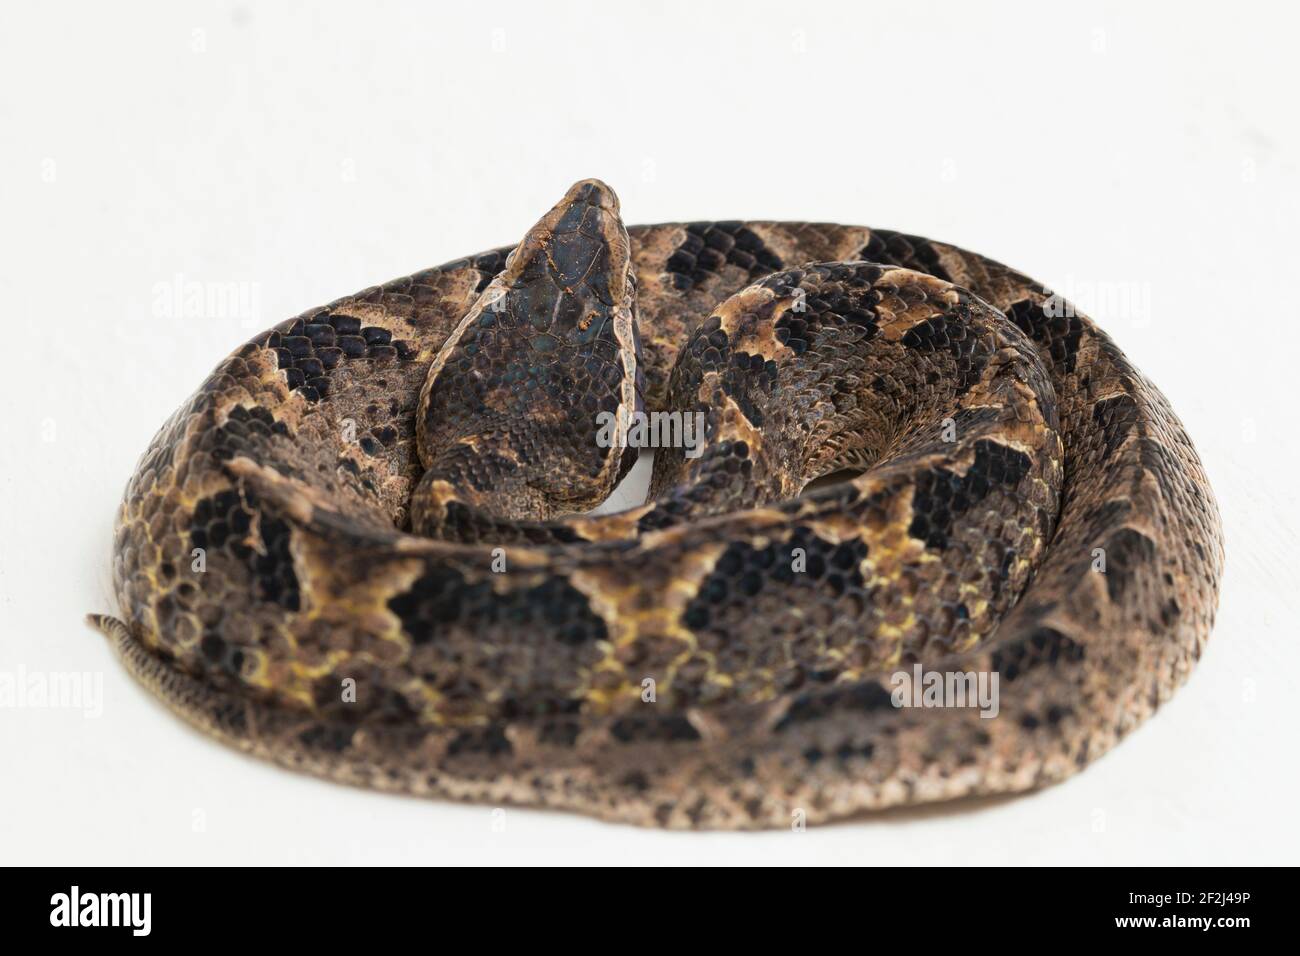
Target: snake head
{"points": [[572, 274], [512, 411]]}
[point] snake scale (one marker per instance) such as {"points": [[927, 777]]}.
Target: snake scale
{"points": [[362, 549]]}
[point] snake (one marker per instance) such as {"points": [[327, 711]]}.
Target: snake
{"points": [[369, 547]]}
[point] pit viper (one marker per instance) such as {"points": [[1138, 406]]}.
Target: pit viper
{"points": [[364, 547]]}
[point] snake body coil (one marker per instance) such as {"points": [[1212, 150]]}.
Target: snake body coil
{"points": [[360, 550]]}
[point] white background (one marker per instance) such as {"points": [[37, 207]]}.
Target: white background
{"points": [[309, 151]]}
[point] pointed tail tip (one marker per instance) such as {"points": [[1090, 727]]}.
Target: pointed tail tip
{"points": [[106, 624]]}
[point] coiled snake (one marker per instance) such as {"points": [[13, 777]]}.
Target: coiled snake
{"points": [[360, 548]]}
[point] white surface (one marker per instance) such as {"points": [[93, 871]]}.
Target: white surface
{"points": [[309, 151]]}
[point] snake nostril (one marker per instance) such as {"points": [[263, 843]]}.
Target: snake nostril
{"points": [[593, 192]]}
